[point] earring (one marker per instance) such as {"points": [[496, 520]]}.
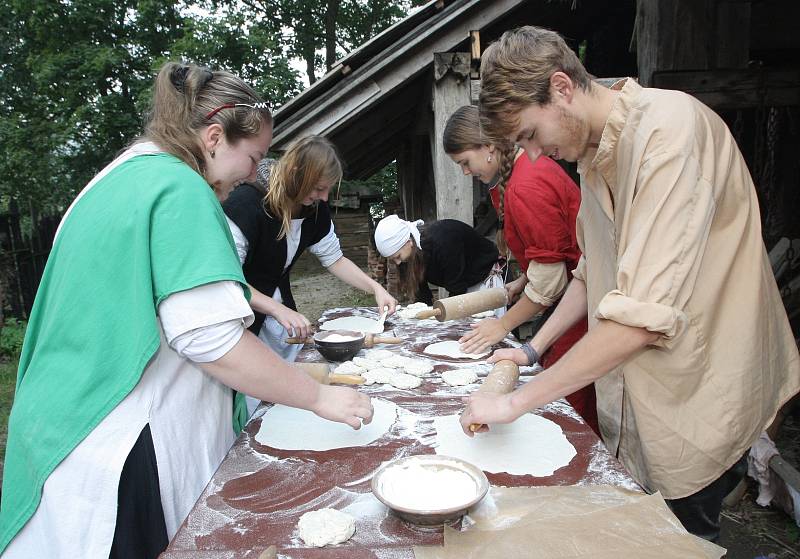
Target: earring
{"points": [[489, 159], [213, 153]]}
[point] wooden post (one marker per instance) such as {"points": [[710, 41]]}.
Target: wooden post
{"points": [[451, 90]]}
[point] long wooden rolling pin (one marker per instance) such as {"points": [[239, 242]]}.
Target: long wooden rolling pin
{"points": [[462, 306], [321, 373], [369, 341], [501, 380]]}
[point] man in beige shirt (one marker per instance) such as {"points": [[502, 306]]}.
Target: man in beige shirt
{"points": [[688, 344]]}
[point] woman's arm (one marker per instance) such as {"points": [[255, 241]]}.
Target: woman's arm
{"points": [[295, 323], [489, 331], [345, 270]]}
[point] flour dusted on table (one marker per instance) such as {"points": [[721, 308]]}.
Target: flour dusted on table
{"points": [[319, 528]]}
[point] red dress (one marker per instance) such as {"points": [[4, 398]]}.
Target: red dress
{"points": [[541, 205]]}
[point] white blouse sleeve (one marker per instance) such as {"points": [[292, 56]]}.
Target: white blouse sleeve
{"points": [[242, 245], [201, 335], [327, 250]]}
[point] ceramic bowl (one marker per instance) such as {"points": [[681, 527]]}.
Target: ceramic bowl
{"points": [[430, 517], [339, 351]]}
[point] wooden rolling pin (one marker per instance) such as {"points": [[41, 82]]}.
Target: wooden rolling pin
{"points": [[321, 373], [462, 306], [501, 380], [369, 341]]}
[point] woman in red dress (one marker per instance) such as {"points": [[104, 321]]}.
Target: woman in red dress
{"points": [[537, 203]]}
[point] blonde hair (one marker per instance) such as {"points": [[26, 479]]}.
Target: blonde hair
{"points": [[183, 97], [463, 132], [307, 163], [515, 73]]}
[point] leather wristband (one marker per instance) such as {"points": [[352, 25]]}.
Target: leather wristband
{"points": [[533, 355]]}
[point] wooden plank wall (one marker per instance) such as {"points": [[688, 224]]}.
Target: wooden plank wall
{"points": [[352, 228]]}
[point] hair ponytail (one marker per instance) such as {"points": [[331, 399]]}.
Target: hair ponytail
{"points": [[183, 97]]}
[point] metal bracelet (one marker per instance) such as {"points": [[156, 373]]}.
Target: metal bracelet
{"points": [[532, 354]]}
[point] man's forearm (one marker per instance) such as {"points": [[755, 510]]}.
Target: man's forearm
{"points": [[604, 348], [570, 309], [524, 309]]}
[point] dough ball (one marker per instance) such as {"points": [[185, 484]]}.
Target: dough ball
{"points": [[459, 377], [418, 368], [397, 361], [366, 364], [404, 381], [319, 528], [377, 375], [378, 354], [348, 368], [411, 310]]}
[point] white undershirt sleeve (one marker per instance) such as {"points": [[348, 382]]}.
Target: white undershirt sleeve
{"points": [[241, 242], [201, 335], [328, 249]]}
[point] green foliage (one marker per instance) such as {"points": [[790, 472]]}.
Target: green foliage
{"points": [[11, 336], [75, 75]]}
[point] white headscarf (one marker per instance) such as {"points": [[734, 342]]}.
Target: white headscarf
{"points": [[392, 233]]}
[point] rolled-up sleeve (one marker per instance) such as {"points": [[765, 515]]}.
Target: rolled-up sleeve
{"points": [[328, 250], [546, 282], [663, 240], [579, 272]]}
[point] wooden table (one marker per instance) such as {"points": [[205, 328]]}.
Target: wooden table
{"points": [[258, 493]]}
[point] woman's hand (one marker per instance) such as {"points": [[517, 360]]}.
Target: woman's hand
{"points": [[512, 354], [484, 334], [295, 323], [383, 299], [514, 288], [344, 405], [484, 408]]}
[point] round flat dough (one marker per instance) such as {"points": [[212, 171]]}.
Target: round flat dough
{"points": [[483, 314], [357, 323], [365, 363], [319, 528], [397, 361], [418, 368], [531, 445], [411, 310], [452, 349], [404, 381], [295, 429], [377, 375], [460, 377], [378, 354], [348, 368]]}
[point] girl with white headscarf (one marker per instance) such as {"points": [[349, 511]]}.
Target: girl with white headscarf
{"points": [[447, 253]]}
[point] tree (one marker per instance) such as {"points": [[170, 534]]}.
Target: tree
{"points": [[333, 27]]}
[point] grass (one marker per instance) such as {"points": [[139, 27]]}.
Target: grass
{"points": [[11, 337]]}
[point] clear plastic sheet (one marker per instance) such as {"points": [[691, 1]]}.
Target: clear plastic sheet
{"points": [[575, 522]]}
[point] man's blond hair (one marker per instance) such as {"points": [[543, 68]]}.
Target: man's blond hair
{"points": [[515, 73]]}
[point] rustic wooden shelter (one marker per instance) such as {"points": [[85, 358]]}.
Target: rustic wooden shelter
{"points": [[389, 100]]}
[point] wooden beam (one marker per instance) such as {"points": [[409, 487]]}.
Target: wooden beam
{"points": [[736, 89], [450, 91]]}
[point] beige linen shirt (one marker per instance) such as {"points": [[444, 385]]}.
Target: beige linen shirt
{"points": [[546, 282], [670, 231]]}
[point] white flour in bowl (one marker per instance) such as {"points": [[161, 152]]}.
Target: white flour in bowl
{"points": [[414, 485]]}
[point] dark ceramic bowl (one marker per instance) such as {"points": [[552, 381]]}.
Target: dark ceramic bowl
{"points": [[335, 350]]}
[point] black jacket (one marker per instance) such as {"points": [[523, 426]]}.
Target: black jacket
{"points": [[266, 255], [456, 257]]}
